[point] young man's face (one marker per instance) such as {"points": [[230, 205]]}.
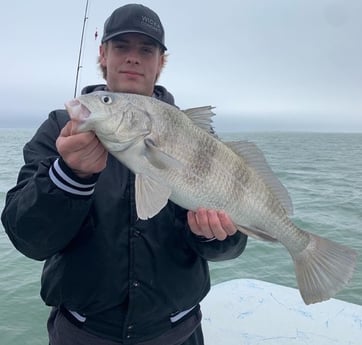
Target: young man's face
{"points": [[133, 62]]}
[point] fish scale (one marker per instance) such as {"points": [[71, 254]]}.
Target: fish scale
{"points": [[174, 156]]}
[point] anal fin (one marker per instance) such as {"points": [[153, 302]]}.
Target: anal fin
{"points": [[256, 233]]}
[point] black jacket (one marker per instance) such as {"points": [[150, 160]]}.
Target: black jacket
{"points": [[100, 259]]}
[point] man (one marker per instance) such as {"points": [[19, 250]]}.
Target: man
{"points": [[110, 277]]}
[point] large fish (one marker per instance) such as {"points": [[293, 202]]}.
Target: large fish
{"points": [[174, 157]]}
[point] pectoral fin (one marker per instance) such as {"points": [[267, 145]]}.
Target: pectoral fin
{"points": [[151, 196]]}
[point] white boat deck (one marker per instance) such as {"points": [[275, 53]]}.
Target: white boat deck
{"points": [[253, 312]]}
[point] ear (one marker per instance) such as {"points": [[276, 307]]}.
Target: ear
{"points": [[103, 55], [161, 63]]}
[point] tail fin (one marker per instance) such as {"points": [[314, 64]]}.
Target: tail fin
{"points": [[323, 268]]}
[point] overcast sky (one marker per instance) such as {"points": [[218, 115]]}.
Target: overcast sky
{"points": [[264, 64]]}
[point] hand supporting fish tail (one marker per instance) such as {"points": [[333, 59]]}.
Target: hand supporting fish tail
{"points": [[211, 224]]}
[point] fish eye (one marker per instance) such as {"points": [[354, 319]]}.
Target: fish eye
{"points": [[106, 99]]}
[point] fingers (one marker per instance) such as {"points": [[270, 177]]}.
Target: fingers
{"points": [[66, 130], [227, 223], [82, 152], [211, 224], [92, 157], [199, 223]]}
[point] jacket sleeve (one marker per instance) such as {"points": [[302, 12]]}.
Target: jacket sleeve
{"points": [[46, 208], [215, 250]]}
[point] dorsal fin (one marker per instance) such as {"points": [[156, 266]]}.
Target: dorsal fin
{"points": [[255, 158], [201, 117]]}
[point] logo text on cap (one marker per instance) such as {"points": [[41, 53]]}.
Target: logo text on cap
{"points": [[151, 23]]}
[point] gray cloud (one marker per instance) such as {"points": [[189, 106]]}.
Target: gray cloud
{"points": [[296, 62]]}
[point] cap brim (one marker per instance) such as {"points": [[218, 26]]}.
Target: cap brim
{"points": [[118, 33]]}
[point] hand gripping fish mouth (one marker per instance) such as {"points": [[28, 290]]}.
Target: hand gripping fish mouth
{"points": [[117, 131]]}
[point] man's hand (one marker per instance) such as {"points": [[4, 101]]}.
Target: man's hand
{"points": [[82, 152], [211, 224]]}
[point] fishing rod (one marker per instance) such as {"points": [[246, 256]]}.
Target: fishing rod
{"points": [[80, 49]]}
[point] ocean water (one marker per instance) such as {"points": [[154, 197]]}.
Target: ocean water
{"points": [[322, 171]]}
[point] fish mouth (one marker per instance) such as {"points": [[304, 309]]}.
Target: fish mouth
{"points": [[77, 111]]}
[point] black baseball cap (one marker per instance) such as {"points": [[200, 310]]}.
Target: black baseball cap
{"points": [[134, 18]]}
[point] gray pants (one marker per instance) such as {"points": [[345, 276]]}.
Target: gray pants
{"points": [[63, 332]]}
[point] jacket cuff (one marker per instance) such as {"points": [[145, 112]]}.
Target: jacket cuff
{"points": [[64, 178]]}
